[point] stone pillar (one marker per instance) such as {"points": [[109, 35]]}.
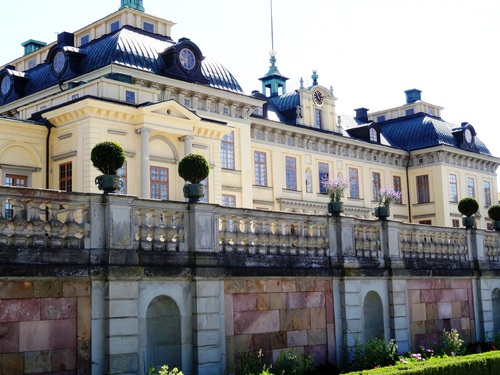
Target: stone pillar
{"points": [[145, 177], [398, 312], [188, 144], [209, 336]]}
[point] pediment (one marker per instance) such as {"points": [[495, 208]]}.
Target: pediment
{"points": [[172, 108]]}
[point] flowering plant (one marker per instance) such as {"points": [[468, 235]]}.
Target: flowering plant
{"points": [[335, 188], [387, 196]]}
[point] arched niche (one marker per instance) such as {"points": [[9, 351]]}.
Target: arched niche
{"points": [[373, 313], [495, 308], [163, 324]]}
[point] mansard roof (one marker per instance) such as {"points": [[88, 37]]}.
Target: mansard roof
{"points": [[422, 131], [128, 46]]}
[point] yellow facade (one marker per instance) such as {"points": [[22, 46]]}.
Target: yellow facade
{"points": [[169, 117]]}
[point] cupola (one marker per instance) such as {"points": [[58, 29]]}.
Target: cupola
{"points": [[132, 4], [273, 83]]}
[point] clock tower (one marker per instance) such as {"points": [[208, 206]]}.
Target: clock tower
{"points": [[133, 4]]}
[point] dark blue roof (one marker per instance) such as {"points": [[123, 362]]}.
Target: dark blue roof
{"points": [[287, 101], [421, 131], [129, 47]]}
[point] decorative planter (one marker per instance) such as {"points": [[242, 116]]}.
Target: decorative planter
{"points": [[496, 225], [109, 183], [335, 208], [469, 222], [194, 192], [382, 212]]}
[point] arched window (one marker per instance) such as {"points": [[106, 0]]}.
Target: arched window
{"points": [[495, 307], [373, 316], [163, 333], [373, 135]]}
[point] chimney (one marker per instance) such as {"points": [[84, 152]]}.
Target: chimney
{"points": [[412, 96], [361, 114], [32, 45], [66, 39]]}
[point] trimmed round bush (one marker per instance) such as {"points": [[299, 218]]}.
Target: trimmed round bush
{"points": [[494, 212], [468, 206], [194, 168], [107, 157]]}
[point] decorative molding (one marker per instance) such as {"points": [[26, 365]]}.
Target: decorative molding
{"points": [[66, 155], [22, 167], [117, 132], [65, 136]]}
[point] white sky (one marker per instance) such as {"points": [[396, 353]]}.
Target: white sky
{"points": [[369, 51]]}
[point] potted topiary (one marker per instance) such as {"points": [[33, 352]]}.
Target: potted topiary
{"points": [[194, 168], [108, 157], [494, 214], [468, 206]]}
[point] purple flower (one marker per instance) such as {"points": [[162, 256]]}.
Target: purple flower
{"points": [[387, 196], [335, 188]]}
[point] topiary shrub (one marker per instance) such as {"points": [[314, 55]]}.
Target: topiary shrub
{"points": [[107, 157], [194, 168], [468, 206], [494, 212]]}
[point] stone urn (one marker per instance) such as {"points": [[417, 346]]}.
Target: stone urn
{"points": [[382, 212], [335, 208]]}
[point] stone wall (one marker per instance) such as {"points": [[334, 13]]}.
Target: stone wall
{"points": [[45, 327]]}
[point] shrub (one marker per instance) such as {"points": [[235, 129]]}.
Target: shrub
{"points": [[289, 363], [250, 363], [374, 353], [194, 168], [494, 212], [468, 206], [107, 157], [163, 370], [451, 343]]}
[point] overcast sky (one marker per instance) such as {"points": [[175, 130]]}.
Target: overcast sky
{"points": [[369, 51]]}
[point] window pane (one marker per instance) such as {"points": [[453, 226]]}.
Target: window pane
{"points": [[375, 185], [423, 194], [227, 151], [487, 193], [291, 173], [453, 188], [353, 183], [470, 187], [159, 183], [323, 175], [396, 181], [260, 166]]}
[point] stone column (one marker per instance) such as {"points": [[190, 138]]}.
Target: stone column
{"points": [[188, 144], [145, 177]]}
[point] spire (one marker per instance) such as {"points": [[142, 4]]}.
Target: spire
{"points": [[133, 4]]}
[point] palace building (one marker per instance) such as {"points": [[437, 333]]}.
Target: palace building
{"points": [[124, 78]]}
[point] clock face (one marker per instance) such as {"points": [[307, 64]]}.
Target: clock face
{"points": [[318, 97], [187, 59], [5, 85], [59, 62], [468, 136]]}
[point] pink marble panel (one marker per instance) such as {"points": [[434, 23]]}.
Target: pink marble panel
{"points": [[419, 284], [9, 337], [461, 295], [448, 295], [18, 310], [58, 308], [250, 322], [13, 289], [228, 311], [438, 283], [244, 302], [330, 315], [47, 335], [319, 354], [444, 310], [64, 360], [461, 283], [300, 300], [288, 286], [272, 286], [296, 338], [431, 295]]}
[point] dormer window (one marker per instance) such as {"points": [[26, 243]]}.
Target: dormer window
{"points": [[373, 135], [115, 25], [381, 118], [148, 26], [410, 111]]}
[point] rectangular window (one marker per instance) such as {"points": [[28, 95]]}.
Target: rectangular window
{"points": [[115, 25], [375, 185], [323, 175], [148, 26], [290, 173], [353, 183], [318, 121], [425, 222], [84, 39], [260, 165], [455, 223], [75, 96], [14, 180], [423, 192], [487, 193], [187, 102], [227, 151], [381, 118], [396, 182], [122, 172], [130, 96], [66, 176], [31, 63], [453, 188], [228, 200], [489, 226], [471, 191], [159, 183]]}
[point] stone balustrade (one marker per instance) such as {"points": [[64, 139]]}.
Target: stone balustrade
{"points": [[51, 220]]}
